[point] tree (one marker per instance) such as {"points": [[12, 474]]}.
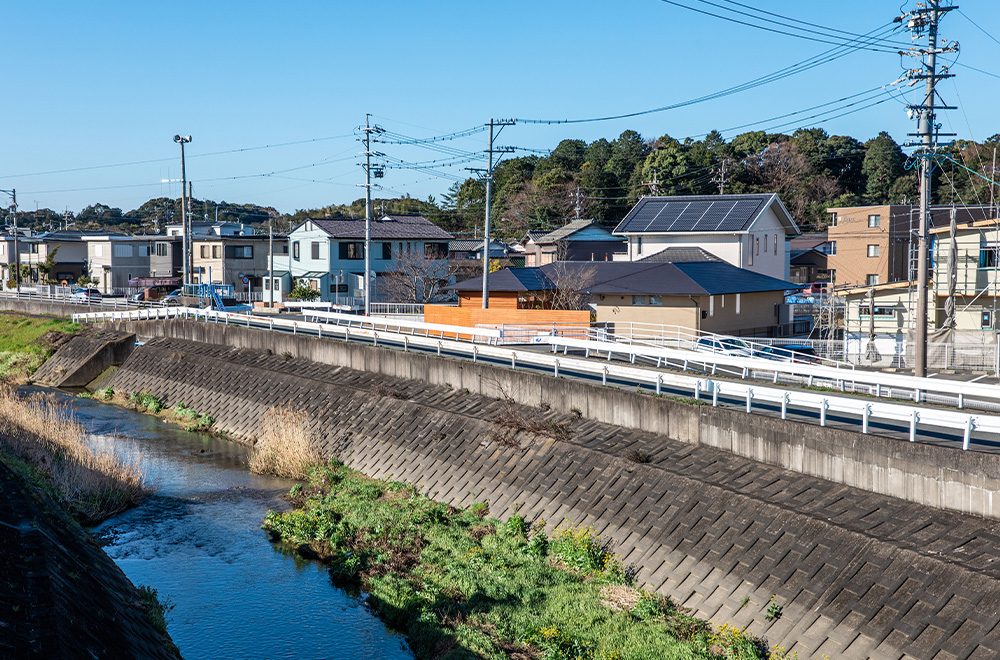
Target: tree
{"points": [[571, 282], [47, 266], [415, 278], [302, 291], [883, 164]]}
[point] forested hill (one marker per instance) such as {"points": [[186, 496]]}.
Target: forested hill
{"points": [[810, 169]]}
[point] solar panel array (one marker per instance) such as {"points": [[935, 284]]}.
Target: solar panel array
{"points": [[693, 214]]}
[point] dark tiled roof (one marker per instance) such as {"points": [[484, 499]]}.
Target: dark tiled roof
{"points": [[679, 254], [385, 228], [474, 244], [568, 230], [700, 213], [696, 278]]}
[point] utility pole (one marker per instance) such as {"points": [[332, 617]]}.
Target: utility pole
{"points": [[499, 123], [993, 186], [270, 260], [190, 228], [654, 185], [185, 231], [925, 18], [379, 172], [577, 202], [17, 253], [721, 177]]}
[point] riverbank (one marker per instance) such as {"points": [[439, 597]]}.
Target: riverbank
{"points": [[461, 584], [27, 341]]}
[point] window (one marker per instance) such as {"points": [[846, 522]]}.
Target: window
{"points": [[655, 300], [204, 252], [435, 250], [738, 302], [638, 300], [281, 248], [987, 321], [295, 250], [775, 245], [988, 255], [99, 250], [386, 251], [765, 243], [216, 252], [315, 249], [339, 288], [161, 249], [833, 248], [874, 220], [239, 252], [352, 250], [32, 248], [143, 250], [122, 251], [758, 245], [750, 249], [638, 245], [833, 219], [873, 250], [880, 311], [871, 280], [3, 248]]}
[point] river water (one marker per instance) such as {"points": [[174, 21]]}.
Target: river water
{"points": [[198, 542]]}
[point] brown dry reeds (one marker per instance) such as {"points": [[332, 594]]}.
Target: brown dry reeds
{"points": [[285, 447], [94, 483]]}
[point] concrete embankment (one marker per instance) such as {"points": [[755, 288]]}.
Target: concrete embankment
{"points": [[84, 358], [858, 574], [61, 596]]}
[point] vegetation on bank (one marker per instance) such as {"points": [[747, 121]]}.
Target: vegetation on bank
{"points": [[92, 482], [461, 584], [187, 418], [27, 341], [285, 447]]}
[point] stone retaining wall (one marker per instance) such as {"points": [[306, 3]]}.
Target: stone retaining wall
{"points": [[922, 473], [858, 574], [83, 358]]}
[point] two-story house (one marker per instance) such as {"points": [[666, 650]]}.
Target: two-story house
{"points": [[67, 250], [329, 255], [202, 228], [114, 260], [578, 240], [240, 261], [747, 231]]}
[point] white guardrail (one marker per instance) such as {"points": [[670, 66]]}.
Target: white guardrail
{"points": [[823, 403]]}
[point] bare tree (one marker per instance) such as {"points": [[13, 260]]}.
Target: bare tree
{"points": [[571, 283], [415, 278]]}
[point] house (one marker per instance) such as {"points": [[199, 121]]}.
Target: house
{"points": [[238, 261], [707, 294], [746, 231], [202, 228], [167, 257], [68, 253], [329, 254], [7, 258], [872, 244], [579, 240], [977, 274], [472, 248], [113, 260]]}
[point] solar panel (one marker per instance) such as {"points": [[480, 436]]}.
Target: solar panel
{"points": [[667, 215], [715, 214], [746, 210], [643, 215]]}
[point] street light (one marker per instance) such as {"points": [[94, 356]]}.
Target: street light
{"points": [[185, 229]]}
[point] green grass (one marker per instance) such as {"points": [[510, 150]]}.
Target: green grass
{"points": [[20, 348], [460, 584]]}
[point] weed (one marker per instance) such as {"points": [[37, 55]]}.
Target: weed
{"points": [[388, 391], [285, 446], [773, 610], [105, 393], [576, 411], [84, 395], [743, 602], [639, 456]]}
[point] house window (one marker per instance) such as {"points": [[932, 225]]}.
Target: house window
{"points": [[765, 243], [338, 288], [3, 248], [873, 250], [122, 251], [871, 280], [711, 304], [988, 255], [775, 245], [738, 302], [758, 244], [435, 250], [354, 250], [215, 252], [143, 250], [99, 250], [161, 249], [315, 249], [833, 219], [638, 300], [833, 248], [282, 248], [874, 220], [750, 250], [656, 300], [387, 250], [987, 319], [204, 252], [882, 311], [239, 252], [638, 245], [295, 250]]}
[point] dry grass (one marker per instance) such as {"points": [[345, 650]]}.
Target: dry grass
{"points": [[285, 446], [94, 483], [619, 597]]}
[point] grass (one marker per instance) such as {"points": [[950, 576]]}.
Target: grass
{"points": [[285, 446], [25, 342], [155, 609], [92, 483], [461, 584]]}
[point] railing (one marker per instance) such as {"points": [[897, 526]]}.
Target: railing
{"points": [[748, 394], [250, 296], [397, 309], [404, 326]]}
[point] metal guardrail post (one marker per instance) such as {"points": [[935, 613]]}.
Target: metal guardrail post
{"points": [[406, 343], [659, 383], [961, 400], [749, 397], [784, 406], [969, 425], [513, 360], [715, 393], [604, 376], [697, 388], [822, 412], [475, 353], [555, 368], [439, 348], [865, 413]]}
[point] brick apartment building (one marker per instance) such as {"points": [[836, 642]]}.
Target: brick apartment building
{"points": [[871, 244]]}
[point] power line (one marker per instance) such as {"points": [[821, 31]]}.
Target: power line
{"points": [[981, 29]]}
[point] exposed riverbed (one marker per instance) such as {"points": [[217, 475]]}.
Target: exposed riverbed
{"points": [[198, 542]]}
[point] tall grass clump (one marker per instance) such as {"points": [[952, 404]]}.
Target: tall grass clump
{"points": [[93, 483], [285, 446]]}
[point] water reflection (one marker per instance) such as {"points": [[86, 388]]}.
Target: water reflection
{"points": [[198, 541]]}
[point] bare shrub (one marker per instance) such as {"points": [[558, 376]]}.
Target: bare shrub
{"points": [[381, 389], [638, 456], [94, 482], [285, 446]]}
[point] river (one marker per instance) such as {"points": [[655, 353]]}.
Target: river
{"points": [[198, 542]]}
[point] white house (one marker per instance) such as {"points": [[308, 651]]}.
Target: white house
{"points": [[747, 231], [329, 254], [114, 260], [202, 228]]}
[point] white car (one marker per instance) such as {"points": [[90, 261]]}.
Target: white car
{"points": [[724, 346], [86, 295]]}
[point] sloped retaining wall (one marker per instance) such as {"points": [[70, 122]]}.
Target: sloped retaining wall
{"points": [[921, 473], [859, 575], [83, 358]]}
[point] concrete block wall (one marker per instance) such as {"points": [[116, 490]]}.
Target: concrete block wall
{"points": [[83, 358], [859, 575], [925, 474]]}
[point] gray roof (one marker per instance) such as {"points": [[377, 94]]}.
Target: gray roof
{"points": [[698, 278], [702, 213], [386, 227], [570, 228], [680, 254], [473, 245]]}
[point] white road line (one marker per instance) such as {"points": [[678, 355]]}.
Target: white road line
{"points": [[978, 378]]}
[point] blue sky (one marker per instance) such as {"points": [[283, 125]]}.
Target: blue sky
{"points": [[94, 84]]}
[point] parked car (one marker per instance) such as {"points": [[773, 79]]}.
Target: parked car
{"points": [[173, 298], [86, 295], [790, 353], [724, 346]]}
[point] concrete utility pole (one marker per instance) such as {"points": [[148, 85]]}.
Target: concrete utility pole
{"points": [[499, 123], [17, 253], [721, 177], [379, 172], [270, 260], [925, 18], [185, 231]]}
